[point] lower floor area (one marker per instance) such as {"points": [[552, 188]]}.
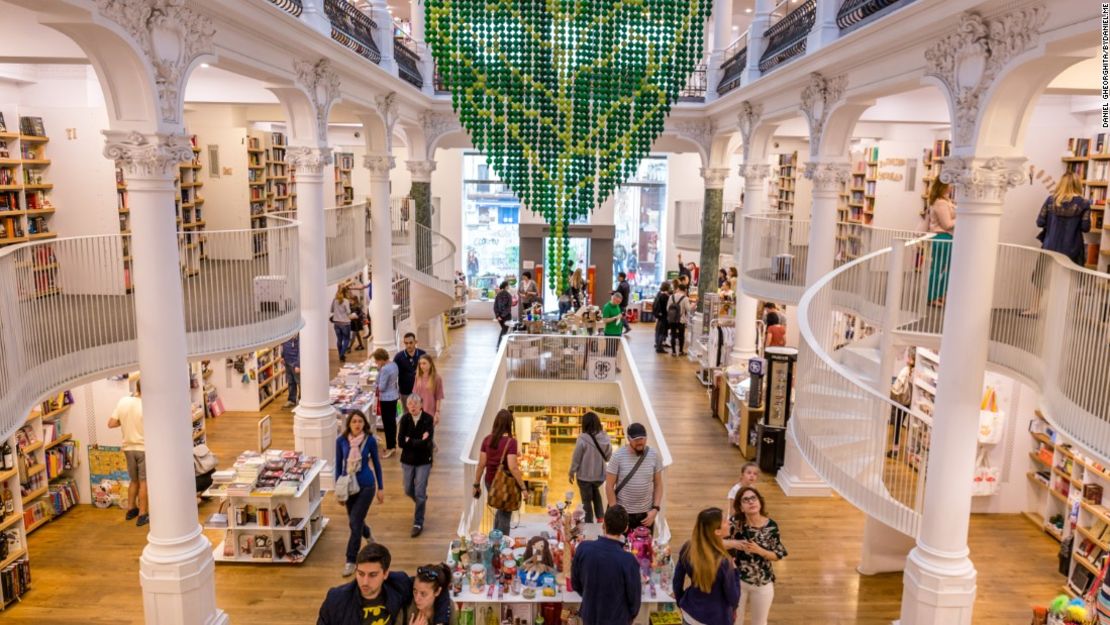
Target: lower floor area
{"points": [[85, 563]]}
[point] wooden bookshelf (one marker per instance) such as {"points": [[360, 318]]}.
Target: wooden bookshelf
{"points": [[932, 161], [785, 184], [192, 242], [344, 189], [26, 207], [1089, 160], [856, 204]]}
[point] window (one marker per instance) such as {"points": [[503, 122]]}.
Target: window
{"points": [[491, 234], [639, 209]]}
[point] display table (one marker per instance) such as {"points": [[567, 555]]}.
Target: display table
{"points": [[355, 388]]}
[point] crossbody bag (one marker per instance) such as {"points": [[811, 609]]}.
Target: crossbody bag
{"points": [[598, 446], [635, 468]]}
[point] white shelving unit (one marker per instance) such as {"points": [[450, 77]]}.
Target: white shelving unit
{"points": [[456, 317], [270, 528]]}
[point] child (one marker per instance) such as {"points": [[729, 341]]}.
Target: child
{"points": [[749, 475]]}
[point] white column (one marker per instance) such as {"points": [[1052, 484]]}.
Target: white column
{"points": [[825, 30], [427, 63], [313, 14], [383, 19], [940, 580], [827, 179], [722, 37], [416, 11], [755, 198], [761, 21], [314, 419], [381, 252], [176, 569]]}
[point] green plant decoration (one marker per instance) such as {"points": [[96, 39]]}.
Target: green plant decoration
{"points": [[564, 97]]}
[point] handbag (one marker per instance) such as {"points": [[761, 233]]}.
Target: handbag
{"points": [[985, 480], [991, 420], [347, 484], [504, 492]]}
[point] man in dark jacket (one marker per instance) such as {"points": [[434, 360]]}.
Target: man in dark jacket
{"points": [[291, 354], [407, 360], [503, 309], [626, 296], [416, 438], [659, 310], [607, 576], [377, 596]]}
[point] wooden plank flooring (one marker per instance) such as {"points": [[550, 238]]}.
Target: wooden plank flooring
{"points": [[85, 564]]}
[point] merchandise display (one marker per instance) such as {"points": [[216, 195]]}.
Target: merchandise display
{"points": [[273, 512], [355, 387]]}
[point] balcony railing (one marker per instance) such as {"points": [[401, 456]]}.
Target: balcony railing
{"points": [[732, 69], [775, 251], [786, 39], [353, 28], [408, 60], [695, 85], [345, 240], [292, 7], [856, 13]]}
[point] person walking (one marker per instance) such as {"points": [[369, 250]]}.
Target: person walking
{"points": [[356, 456], [940, 220], [388, 394], [499, 449], [758, 544], [429, 386], [377, 596], [128, 417], [613, 318], [416, 438], [659, 310], [626, 296], [341, 321], [587, 464], [431, 601], [634, 479], [358, 317], [406, 361], [606, 576], [1064, 217], [503, 309], [291, 356], [714, 591], [678, 311]]}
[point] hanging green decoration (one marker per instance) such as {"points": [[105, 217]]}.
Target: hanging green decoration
{"points": [[564, 97]]}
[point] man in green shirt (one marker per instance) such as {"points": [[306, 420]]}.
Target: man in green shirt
{"points": [[611, 315]]}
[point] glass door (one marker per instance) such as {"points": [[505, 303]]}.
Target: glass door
{"points": [[580, 253]]}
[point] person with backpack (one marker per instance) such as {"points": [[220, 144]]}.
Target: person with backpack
{"points": [[659, 309], [634, 479], [678, 311], [587, 465]]}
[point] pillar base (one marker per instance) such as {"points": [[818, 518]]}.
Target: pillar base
{"points": [[314, 433], [178, 582], [796, 478], [937, 588]]}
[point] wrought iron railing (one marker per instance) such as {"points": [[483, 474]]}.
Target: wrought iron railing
{"points": [[732, 68], [856, 13], [292, 7], [786, 39], [695, 85], [353, 28], [408, 60]]}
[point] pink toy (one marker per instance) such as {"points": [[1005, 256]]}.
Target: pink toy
{"points": [[642, 548]]}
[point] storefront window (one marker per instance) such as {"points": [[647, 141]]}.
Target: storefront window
{"points": [[491, 232], [639, 211]]}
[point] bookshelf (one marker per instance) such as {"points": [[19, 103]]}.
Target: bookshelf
{"points": [[273, 508], [344, 188], [932, 161], [46, 455], [14, 563], [856, 205], [26, 209], [270, 181], [271, 374], [785, 184], [192, 242], [1090, 161]]}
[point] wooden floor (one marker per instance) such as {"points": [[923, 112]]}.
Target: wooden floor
{"points": [[85, 564]]}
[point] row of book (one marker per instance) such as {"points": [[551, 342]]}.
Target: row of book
{"points": [[63, 496], [60, 459], [31, 126], [15, 580], [277, 473], [36, 512], [277, 516], [1081, 146]]}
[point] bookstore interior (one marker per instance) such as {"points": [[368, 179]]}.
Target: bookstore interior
{"points": [[800, 323]]}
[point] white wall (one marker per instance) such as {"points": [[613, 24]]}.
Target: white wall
{"points": [[1017, 402]]}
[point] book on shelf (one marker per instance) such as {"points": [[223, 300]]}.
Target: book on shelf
{"points": [[32, 126], [3, 126]]}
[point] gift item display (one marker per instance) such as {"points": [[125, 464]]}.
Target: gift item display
{"points": [[355, 388], [526, 575], [272, 511]]}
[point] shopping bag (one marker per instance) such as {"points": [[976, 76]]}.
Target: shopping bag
{"points": [[985, 480], [991, 421], [216, 407]]}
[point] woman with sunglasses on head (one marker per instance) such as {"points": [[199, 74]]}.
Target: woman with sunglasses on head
{"points": [[431, 601], [714, 589], [755, 545]]}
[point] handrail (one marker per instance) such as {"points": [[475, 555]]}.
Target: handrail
{"points": [[856, 13], [353, 28], [786, 38], [292, 7], [735, 60], [406, 53], [345, 240]]}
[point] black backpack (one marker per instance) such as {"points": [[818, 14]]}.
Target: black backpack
{"points": [[674, 310]]}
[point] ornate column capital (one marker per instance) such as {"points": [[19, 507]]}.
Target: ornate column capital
{"points": [[141, 155], [436, 125], [982, 181], [818, 98], [379, 165], [827, 176], [172, 37], [714, 177], [747, 120], [421, 170], [755, 173], [306, 160], [320, 83], [968, 61], [699, 131]]}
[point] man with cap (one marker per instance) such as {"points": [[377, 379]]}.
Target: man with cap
{"points": [[634, 479]]}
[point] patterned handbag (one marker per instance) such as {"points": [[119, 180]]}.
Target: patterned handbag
{"points": [[504, 492]]}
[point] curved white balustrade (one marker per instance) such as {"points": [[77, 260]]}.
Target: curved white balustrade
{"points": [[68, 314], [345, 237], [774, 252]]}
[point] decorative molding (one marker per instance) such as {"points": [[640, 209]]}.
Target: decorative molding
{"points": [[699, 131], [421, 170], [378, 164], [306, 160], [747, 120], [172, 36], [714, 177], [827, 176], [982, 180], [755, 173], [818, 98], [147, 155], [436, 125], [968, 61], [320, 83], [387, 108]]}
